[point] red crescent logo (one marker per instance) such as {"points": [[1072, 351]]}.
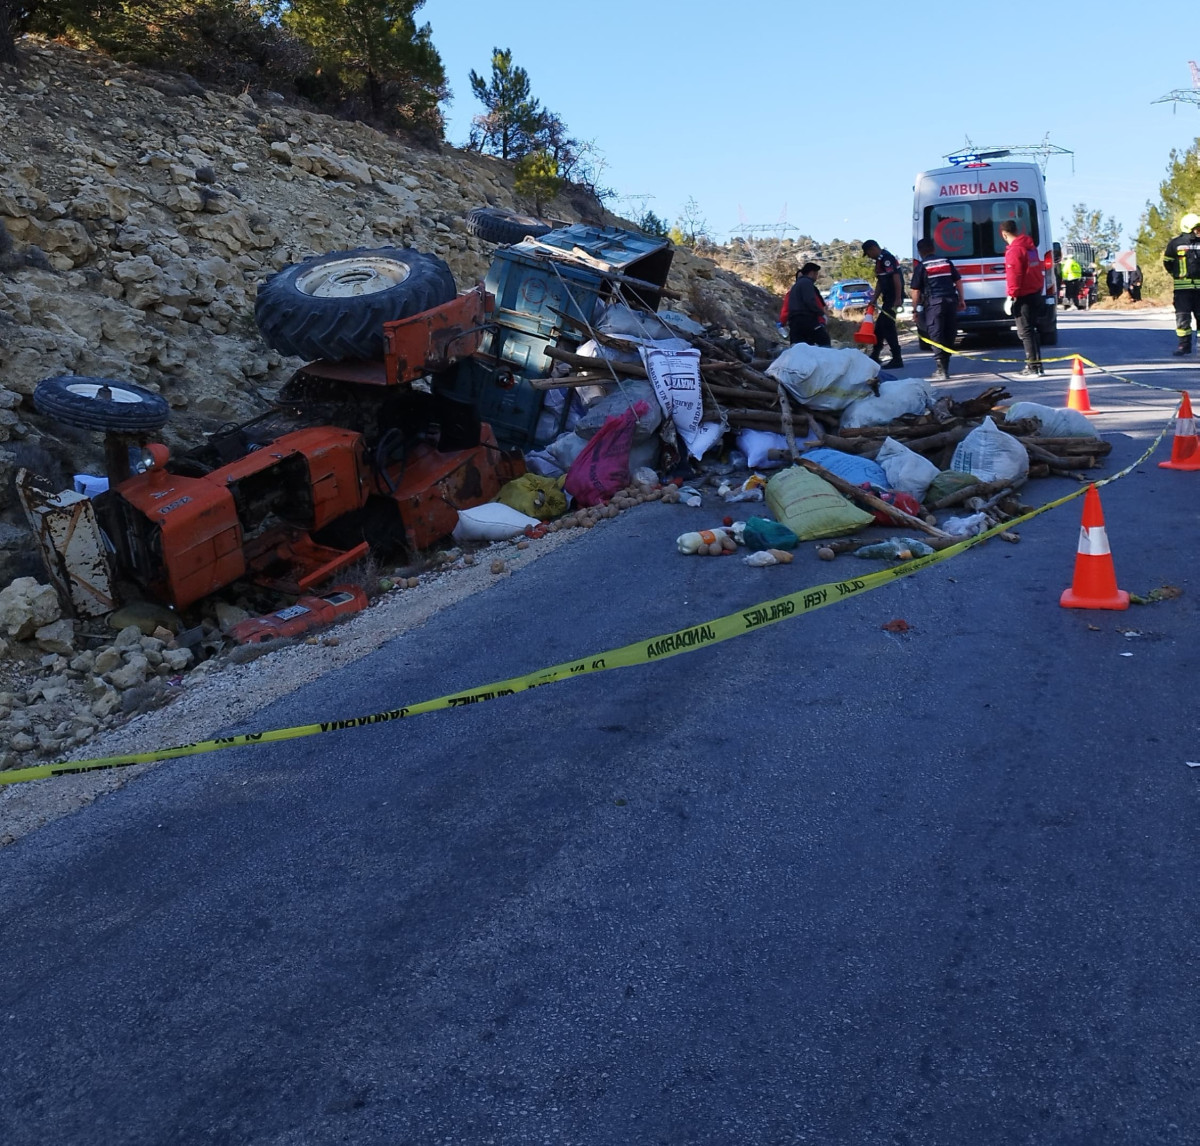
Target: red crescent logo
{"points": [[949, 234]]}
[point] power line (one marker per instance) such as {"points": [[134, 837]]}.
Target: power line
{"points": [[1042, 152], [1184, 95]]}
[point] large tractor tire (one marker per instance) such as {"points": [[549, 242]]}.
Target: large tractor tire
{"points": [[100, 404], [496, 225], [334, 306]]}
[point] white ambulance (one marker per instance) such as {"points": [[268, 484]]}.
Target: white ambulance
{"points": [[961, 208]]}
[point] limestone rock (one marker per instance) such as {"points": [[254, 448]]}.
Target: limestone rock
{"points": [[106, 704], [177, 659], [229, 615], [57, 637], [96, 201], [106, 660], [133, 672], [26, 605], [129, 637]]}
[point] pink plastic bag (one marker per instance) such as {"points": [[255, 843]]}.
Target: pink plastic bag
{"points": [[603, 466]]}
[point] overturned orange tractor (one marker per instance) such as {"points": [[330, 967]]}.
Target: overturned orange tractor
{"points": [[373, 446]]}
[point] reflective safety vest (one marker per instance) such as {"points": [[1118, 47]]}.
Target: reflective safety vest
{"points": [[1182, 261], [1071, 270]]}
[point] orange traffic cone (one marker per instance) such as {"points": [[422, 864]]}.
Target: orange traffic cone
{"points": [[1077, 395], [1095, 582], [865, 334], [1185, 450]]}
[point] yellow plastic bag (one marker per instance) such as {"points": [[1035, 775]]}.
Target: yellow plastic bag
{"points": [[535, 495], [810, 507]]}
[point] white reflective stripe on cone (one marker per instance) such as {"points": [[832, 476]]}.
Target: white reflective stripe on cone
{"points": [[1185, 427], [1093, 542]]}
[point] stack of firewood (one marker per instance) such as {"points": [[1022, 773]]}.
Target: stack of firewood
{"points": [[739, 394]]}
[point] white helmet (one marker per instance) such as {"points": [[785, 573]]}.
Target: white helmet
{"points": [[1190, 221]]}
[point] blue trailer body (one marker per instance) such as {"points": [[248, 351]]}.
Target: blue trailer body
{"points": [[535, 284]]}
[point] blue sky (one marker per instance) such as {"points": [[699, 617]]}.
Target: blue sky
{"points": [[831, 109]]}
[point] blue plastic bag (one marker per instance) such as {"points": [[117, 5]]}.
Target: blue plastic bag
{"points": [[850, 467]]}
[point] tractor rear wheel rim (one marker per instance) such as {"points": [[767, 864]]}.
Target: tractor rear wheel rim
{"points": [[352, 278], [115, 393]]}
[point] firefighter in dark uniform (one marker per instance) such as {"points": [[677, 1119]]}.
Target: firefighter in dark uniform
{"points": [[889, 291], [1182, 260], [937, 296]]}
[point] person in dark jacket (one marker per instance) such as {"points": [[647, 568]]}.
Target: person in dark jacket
{"points": [[1134, 279], [1182, 261], [889, 291], [803, 310], [1115, 282], [937, 296], [1025, 279]]}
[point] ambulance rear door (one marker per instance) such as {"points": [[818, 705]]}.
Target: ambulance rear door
{"points": [[961, 209]]}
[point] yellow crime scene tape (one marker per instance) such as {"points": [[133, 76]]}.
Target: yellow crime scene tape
{"points": [[978, 357], [660, 648]]}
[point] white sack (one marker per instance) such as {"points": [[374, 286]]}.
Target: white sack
{"points": [[1056, 421], [624, 322], [896, 398], [680, 322], [631, 391], [823, 378], [675, 376], [703, 440], [565, 449], [906, 470], [491, 522], [755, 444], [990, 454]]}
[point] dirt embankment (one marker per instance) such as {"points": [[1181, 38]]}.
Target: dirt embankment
{"points": [[141, 212]]}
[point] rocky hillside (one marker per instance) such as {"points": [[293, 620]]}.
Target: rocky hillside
{"points": [[140, 213]]}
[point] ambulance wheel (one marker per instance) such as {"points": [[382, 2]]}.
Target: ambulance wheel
{"points": [[333, 306], [496, 225], [100, 404]]}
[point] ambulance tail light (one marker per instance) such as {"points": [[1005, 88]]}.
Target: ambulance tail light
{"points": [[1049, 260]]}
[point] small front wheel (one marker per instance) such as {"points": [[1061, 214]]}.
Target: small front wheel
{"points": [[100, 404]]}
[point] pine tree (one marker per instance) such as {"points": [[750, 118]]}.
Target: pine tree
{"points": [[537, 178], [1180, 193], [1087, 226], [378, 45], [513, 119]]}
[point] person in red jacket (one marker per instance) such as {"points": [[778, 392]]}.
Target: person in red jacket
{"points": [[1025, 278]]}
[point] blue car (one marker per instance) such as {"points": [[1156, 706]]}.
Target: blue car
{"points": [[849, 294]]}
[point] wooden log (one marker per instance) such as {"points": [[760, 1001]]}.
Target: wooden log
{"points": [[932, 442], [875, 504], [737, 394], [1097, 447], [1060, 465], [579, 255], [635, 369], [979, 489], [571, 380], [861, 447], [978, 406]]}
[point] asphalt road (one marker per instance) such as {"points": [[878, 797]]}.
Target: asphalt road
{"points": [[823, 884]]}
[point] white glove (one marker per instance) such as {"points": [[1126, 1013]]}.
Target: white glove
{"points": [[1008, 305]]}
